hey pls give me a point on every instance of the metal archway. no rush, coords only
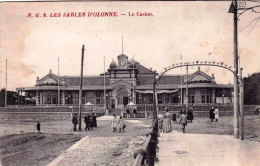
(238, 78)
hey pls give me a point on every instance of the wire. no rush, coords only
(257, 18)
(253, 26)
(257, 1)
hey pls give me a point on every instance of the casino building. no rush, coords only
(127, 80)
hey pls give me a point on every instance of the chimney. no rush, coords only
(37, 81)
(50, 72)
(199, 68)
(213, 78)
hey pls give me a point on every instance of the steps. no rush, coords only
(115, 111)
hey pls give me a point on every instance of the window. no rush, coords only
(159, 100)
(75, 98)
(91, 97)
(203, 99)
(192, 99)
(167, 100)
(49, 97)
(208, 101)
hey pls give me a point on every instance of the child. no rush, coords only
(174, 118)
(216, 115)
(160, 120)
(120, 124)
(113, 123)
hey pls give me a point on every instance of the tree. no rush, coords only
(252, 89)
(12, 98)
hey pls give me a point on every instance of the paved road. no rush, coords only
(186, 149)
(116, 149)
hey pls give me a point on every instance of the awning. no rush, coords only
(158, 91)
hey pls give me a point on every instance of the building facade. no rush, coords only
(127, 80)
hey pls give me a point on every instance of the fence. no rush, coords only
(201, 108)
(52, 109)
(147, 154)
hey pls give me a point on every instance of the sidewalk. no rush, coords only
(206, 150)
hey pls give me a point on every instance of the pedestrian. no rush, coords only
(86, 119)
(94, 119)
(75, 122)
(127, 113)
(113, 123)
(190, 114)
(257, 108)
(160, 120)
(91, 121)
(134, 112)
(120, 124)
(211, 114)
(182, 110)
(167, 127)
(38, 126)
(174, 118)
(183, 121)
(216, 114)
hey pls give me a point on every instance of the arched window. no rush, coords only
(91, 97)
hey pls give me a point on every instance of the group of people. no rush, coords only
(213, 114)
(128, 113)
(117, 124)
(165, 124)
(90, 120)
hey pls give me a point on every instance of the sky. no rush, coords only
(32, 45)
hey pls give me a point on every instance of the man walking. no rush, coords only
(183, 121)
(38, 126)
(75, 122)
(212, 114)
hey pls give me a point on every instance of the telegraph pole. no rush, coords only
(187, 93)
(58, 82)
(5, 83)
(181, 81)
(80, 89)
(236, 104)
(105, 102)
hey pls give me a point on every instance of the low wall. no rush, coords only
(64, 112)
(40, 115)
(142, 107)
(44, 113)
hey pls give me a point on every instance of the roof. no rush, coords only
(87, 81)
(142, 69)
(165, 80)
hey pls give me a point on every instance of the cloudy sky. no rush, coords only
(191, 29)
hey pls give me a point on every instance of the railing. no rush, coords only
(147, 153)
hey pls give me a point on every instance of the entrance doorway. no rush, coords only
(122, 97)
(125, 101)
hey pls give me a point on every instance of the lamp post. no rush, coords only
(241, 98)
(223, 97)
(154, 97)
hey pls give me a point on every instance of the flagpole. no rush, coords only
(6, 83)
(58, 82)
(181, 81)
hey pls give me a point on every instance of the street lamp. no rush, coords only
(154, 97)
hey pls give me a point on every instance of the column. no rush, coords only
(63, 97)
(37, 98)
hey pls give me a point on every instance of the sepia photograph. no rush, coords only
(130, 83)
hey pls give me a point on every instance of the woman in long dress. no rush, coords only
(216, 114)
(113, 123)
(167, 127)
